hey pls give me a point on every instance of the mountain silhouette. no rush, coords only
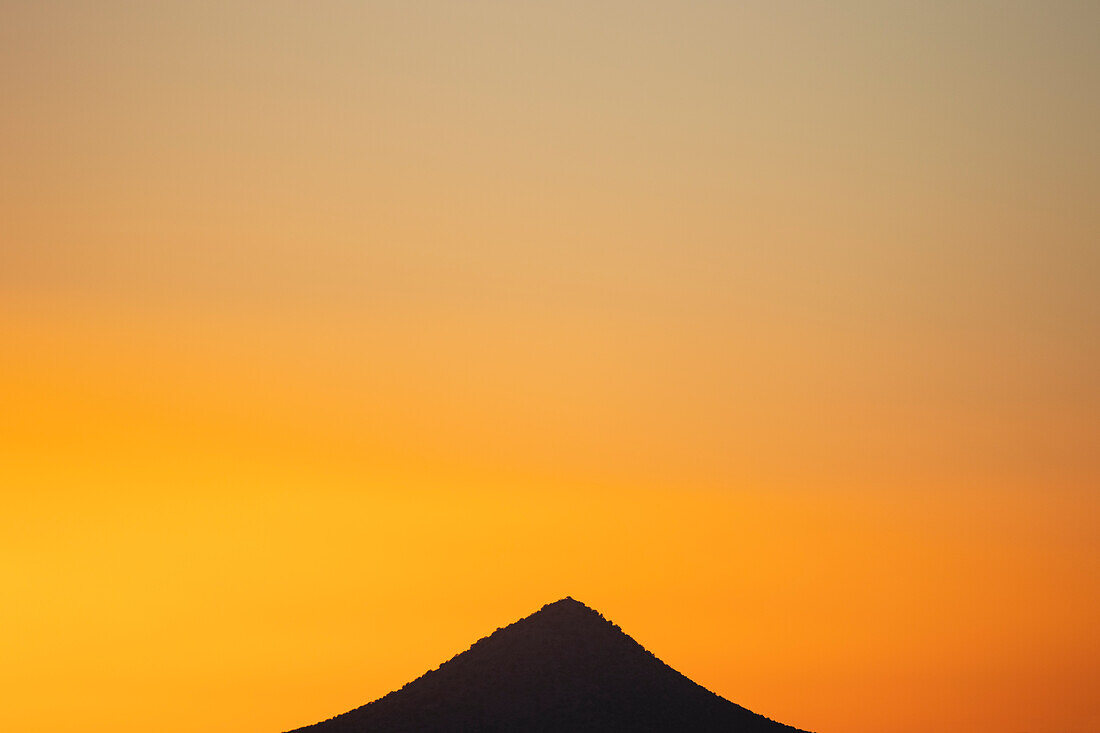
(564, 669)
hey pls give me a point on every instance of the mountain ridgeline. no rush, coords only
(564, 669)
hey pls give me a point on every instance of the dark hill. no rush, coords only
(563, 669)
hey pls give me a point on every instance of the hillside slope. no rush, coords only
(564, 668)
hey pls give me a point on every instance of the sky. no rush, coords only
(335, 335)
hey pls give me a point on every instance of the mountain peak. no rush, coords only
(563, 668)
(567, 607)
(567, 602)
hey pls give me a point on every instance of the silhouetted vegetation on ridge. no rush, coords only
(563, 669)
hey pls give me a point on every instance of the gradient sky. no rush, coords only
(334, 335)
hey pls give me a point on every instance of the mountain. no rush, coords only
(564, 669)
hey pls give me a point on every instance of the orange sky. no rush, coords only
(334, 335)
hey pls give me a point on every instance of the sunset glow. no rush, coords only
(334, 335)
